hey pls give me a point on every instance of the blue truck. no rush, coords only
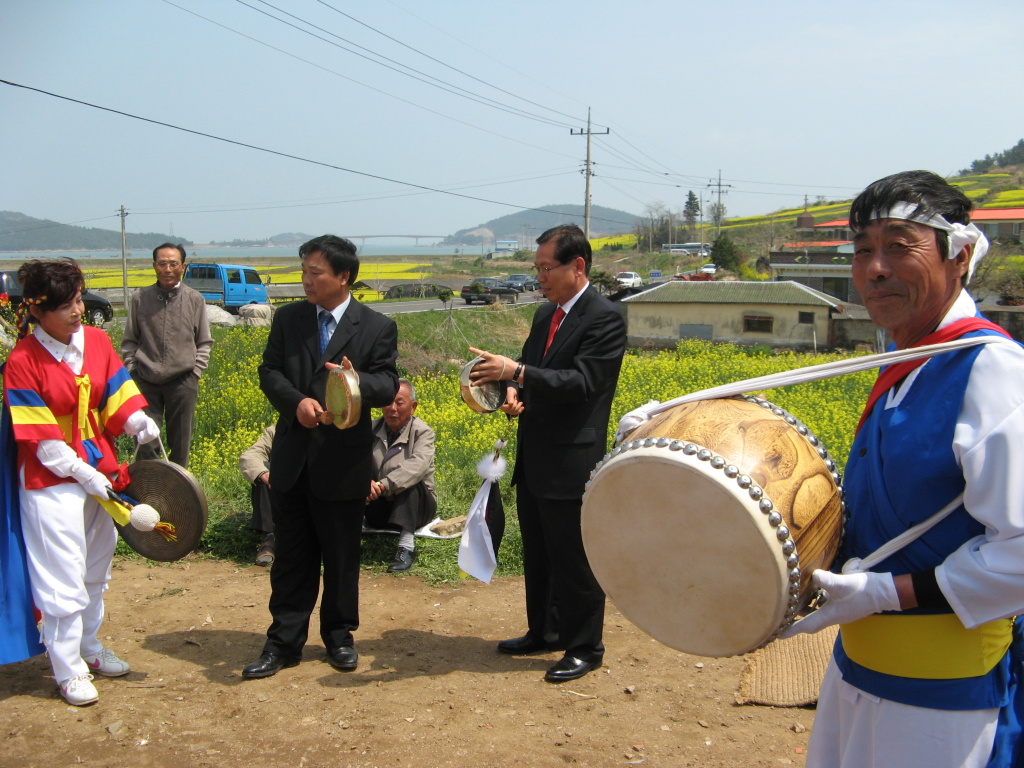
(228, 285)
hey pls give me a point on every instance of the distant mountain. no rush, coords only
(291, 238)
(19, 232)
(529, 224)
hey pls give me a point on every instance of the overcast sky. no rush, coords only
(786, 99)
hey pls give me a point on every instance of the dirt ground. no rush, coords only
(430, 689)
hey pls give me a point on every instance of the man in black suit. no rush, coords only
(561, 388)
(321, 473)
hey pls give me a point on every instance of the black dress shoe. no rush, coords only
(570, 668)
(343, 658)
(266, 665)
(403, 560)
(521, 646)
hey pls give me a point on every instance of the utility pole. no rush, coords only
(718, 224)
(587, 172)
(124, 257)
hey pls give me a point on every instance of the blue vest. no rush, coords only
(900, 472)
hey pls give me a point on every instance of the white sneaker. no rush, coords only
(79, 691)
(107, 664)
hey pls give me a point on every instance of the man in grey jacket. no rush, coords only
(402, 491)
(166, 348)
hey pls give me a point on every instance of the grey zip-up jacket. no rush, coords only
(166, 335)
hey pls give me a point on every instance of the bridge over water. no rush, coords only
(363, 238)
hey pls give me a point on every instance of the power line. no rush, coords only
(336, 201)
(443, 85)
(438, 61)
(289, 156)
(364, 85)
(485, 54)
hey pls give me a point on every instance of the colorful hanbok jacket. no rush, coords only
(48, 401)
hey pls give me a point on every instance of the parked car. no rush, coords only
(709, 269)
(629, 279)
(97, 309)
(488, 290)
(523, 282)
(229, 285)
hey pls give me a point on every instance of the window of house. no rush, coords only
(757, 324)
(805, 318)
(836, 286)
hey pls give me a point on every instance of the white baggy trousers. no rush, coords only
(69, 540)
(854, 729)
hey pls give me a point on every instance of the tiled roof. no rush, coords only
(812, 244)
(980, 214)
(733, 292)
(998, 214)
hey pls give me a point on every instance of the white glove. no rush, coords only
(149, 432)
(851, 596)
(633, 419)
(90, 478)
(143, 428)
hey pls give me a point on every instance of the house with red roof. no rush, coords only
(822, 261)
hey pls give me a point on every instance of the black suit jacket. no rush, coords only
(567, 395)
(338, 460)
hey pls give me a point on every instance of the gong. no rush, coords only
(180, 500)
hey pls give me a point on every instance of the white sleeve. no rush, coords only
(57, 456)
(984, 579)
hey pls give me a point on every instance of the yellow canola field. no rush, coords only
(140, 276)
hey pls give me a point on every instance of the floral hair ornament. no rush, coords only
(957, 234)
(23, 316)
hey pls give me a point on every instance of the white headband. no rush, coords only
(958, 235)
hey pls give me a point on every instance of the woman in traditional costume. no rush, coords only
(68, 396)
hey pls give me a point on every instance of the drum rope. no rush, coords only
(638, 416)
(891, 547)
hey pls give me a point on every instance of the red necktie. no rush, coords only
(556, 320)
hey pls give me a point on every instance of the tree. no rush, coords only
(691, 211)
(716, 212)
(725, 254)
(603, 281)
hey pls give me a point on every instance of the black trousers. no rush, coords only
(262, 508)
(409, 510)
(564, 602)
(172, 404)
(312, 532)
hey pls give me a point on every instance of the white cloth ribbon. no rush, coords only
(958, 235)
(476, 549)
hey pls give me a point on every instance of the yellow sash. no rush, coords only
(84, 390)
(931, 647)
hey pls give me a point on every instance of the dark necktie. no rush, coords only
(325, 333)
(556, 320)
